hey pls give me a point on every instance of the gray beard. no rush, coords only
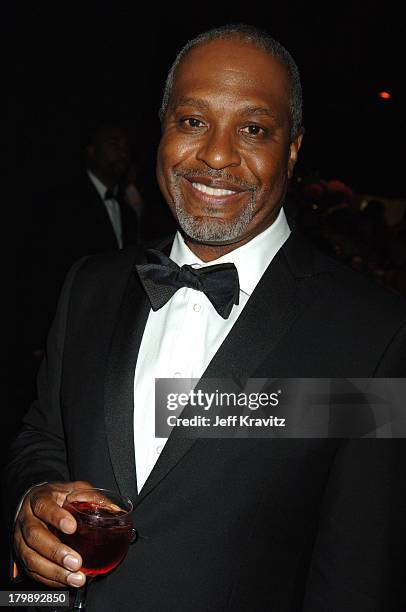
(209, 229)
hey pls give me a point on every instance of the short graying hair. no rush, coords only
(257, 38)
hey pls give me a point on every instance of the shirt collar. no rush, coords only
(251, 259)
(101, 189)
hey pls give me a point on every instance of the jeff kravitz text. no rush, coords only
(230, 421)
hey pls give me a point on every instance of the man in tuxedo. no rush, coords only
(85, 216)
(223, 524)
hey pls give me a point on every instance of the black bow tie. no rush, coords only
(111, 193)
(162, 277)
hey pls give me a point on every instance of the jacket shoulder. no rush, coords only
(347, 288)
(363, 291)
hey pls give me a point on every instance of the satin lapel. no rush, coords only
(277, 301)
(119, 384)
(279, 298)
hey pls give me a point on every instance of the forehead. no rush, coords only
(234, 71)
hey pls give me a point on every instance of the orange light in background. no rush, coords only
(385, 95)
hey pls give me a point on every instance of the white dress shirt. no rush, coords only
(181, 338)
(112, 207)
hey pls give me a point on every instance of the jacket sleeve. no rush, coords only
(358, 558)
(38, 453)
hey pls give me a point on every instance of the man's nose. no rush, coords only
(219, 150)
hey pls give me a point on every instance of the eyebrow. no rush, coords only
(257, 110)
(246, 110)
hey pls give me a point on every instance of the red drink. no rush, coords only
(102, 537)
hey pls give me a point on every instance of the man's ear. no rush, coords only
(294, 151)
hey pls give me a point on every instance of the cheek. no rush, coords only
(269, 168)
(167, 160)
(271, 175)
(173, 152)
(268, 176)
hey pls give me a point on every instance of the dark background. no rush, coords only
(71, 65)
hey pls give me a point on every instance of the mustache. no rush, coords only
(215, 174)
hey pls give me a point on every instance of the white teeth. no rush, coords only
(211, 190)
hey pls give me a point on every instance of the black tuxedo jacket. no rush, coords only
(282, 525)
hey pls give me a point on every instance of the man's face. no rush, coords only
(225, 155)
(110, 153)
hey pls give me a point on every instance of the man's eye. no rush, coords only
(253, 130)
(191, 122)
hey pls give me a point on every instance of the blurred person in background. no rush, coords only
(133, 196)
(84, 216)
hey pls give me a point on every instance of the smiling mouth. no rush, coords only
(213, 191)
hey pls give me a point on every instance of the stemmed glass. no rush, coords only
(103, 535)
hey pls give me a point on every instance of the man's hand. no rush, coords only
(44, 557)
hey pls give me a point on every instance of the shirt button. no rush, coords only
(177, 374)
(158, 450)
(197, 308)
